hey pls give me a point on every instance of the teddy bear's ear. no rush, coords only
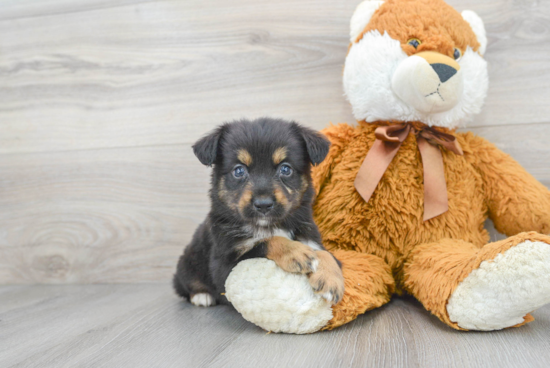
(477, 26)
(361, 17)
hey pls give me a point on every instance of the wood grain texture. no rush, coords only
(101, 100)
(104, 215)
(147, 326)
(127, 73)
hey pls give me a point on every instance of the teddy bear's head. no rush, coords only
(415, 60)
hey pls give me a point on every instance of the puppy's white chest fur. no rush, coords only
(262, 234)
(310, 243)
(259, 235)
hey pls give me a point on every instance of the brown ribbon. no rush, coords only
(385, 147)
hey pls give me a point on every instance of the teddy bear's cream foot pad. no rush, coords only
(501, 292)
(276, 300)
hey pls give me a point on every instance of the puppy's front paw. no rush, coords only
(292, 256)
(202, 300)
(328, 280)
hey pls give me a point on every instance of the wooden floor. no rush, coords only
(100, 102)
(145, 325)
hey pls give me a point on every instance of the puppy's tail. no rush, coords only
(179, 288)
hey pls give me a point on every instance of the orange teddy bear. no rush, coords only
(402, 197)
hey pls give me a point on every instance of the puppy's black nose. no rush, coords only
(263, 204)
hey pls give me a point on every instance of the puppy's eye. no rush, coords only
(285, 170)
(457, 54)
(414, 42)
(239, 171)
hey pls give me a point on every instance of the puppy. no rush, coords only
(261, 199)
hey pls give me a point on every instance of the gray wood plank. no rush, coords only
(147, 326)
(19, 9)
(120, 215)
(165, 72)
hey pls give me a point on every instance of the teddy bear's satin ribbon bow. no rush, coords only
(385, 147)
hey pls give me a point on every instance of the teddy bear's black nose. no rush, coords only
(444, 72)
(263, 204)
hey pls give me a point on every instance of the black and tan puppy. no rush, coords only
(261, 199)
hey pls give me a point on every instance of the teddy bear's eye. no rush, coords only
(414, 42)
(457, 54)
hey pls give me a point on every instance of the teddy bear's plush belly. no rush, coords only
(391, 223)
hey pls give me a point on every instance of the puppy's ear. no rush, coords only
(206, 148)
(317, 145)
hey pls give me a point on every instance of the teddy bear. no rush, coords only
(402, 197)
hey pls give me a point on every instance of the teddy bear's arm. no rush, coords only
(339, 135)
(517, 201)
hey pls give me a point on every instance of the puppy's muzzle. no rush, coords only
(263, 204)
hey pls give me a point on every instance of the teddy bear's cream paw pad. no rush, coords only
(276, 300)
(501, 292)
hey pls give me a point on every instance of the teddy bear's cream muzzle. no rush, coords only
(429, 82)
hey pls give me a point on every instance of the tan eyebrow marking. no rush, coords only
(244, 157)
(279, 155)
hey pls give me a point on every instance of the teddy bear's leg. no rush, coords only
(488, 288)
(368, 284)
